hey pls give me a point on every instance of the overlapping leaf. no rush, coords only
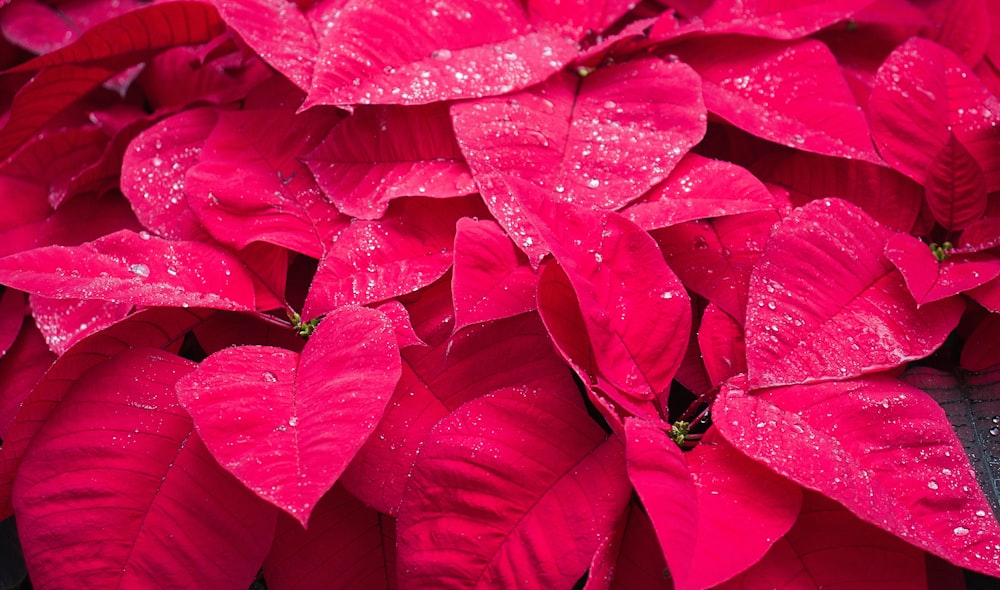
(469, 48)
(826, 303)
(555, 485)
(382, 153)
(287, 425)
(890, 457)
(161, 500)
(930, 279)
(137, 268)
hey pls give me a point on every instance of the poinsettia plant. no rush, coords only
(500, 294)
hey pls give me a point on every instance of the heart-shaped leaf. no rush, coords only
(287, 425)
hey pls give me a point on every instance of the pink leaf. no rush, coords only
(287, 425)
(499, 501)
(789, 93)
(929, 279)
(382, 153)
(883, 449)
(162, 328)
(343, 549)
(825, 303)
(715, 257)
(153, 172)
(636, 312)
(437, 380)
(711, 493)
(889, 197)
(140, 269)
(699, 188)
(492, 279)
(596, 141)
(777, 19)
(956, 186)
(578, 18)
(290, 48)
(64, 322)
(276, 201)
(410, 248)
(830, 548)
(923, 94)
(469, 49)
(118, 490)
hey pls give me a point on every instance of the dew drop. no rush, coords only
(293, 421)
(442, 54)
(593, 183)
(140, 269)
(961, 531)
(171, 271)
(269, 377)
(995, 431)
(932, 484)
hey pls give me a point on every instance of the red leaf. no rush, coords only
(343, 549)
(410, 248)
(491, 279)
(889, 197)
(699, 188)
(825, 302)
(469, 49)
(714, 258)
(979, 352)
(287, 425)
(118, 491)
(638, 562)
(777, 19)
(12, 310)
(722, 345)
(129, 38)
(276, 201)
(830, 548)
(496, 500)
(596, 141)
(436, 380)
(21, 367)
(789, 93)
(923, 94)
(383, 153)
(883, 449)
(636, 312)
(962, 27)
(290, 48)
(127, 267)
(955, 186)
(154, 168)
(161, 328)
(53, 159)
(713, 492)
(931, 280)
(578, 18)
(43, 28)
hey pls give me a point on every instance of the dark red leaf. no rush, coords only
(881, 448)
(929, 279)
(492, 279)
(287, 425)
(979, 352)
(117, 490)
(638, 562)
(53, 159)
(153, 172)
(12, 308)
(962, 27)
(826, 303)
(596, 141)
(21, 367)
(889, 197)
(159, 328)
(343, 549)
(923, 94)
(972, 403)
(129, 38)
(468, 49)
(382, 153)
(136, 268)
(437, 380)
(699, 188)
(830, 548)
(498, 500)
(43, 28)
(789, 93)
(955, 186)
(410, 248)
